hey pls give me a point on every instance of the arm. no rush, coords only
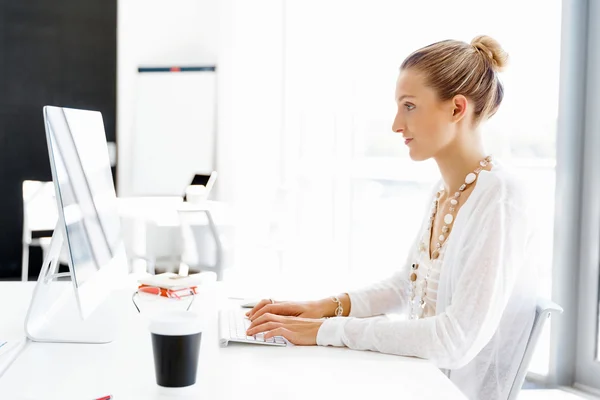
(496, 249)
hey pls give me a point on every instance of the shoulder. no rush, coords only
(502, 200)
(503, 185)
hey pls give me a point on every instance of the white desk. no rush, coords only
(125, 367)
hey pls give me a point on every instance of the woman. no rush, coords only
(467, 288)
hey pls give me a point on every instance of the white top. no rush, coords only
(485, 299)
(429, 286)
(426, 288)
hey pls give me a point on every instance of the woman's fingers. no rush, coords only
(266, 318)
(281, 331)
(299, 331)
(263, 310)
(257, 307)
(277, 309)
(267, 326)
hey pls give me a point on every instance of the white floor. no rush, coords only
(549, 394)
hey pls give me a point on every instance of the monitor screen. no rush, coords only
(85, 189)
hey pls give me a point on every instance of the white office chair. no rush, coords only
(39, 214)
(544, 310)
(203, 241)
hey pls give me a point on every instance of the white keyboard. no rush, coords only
(233, 324)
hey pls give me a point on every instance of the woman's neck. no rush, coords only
(458, 159)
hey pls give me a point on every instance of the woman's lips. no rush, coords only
(407, 141)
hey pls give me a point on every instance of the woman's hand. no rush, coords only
(294, 309)
(299, 331)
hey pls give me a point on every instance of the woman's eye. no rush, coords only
(409, 107)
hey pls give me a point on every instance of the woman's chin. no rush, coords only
(417, 156)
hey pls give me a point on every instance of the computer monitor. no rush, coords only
(88, 227)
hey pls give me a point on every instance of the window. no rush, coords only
(359, 199)
(349, 200)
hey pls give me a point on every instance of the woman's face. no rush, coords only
(426, 123)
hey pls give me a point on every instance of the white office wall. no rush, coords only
(250, 98)
(157, 33)
(244, 39)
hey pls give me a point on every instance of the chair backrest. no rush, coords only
(39, 207)
(544, 310)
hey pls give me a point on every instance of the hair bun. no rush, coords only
(490, 48)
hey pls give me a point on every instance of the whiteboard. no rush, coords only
(174, 131)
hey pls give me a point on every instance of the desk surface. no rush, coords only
(124, 368)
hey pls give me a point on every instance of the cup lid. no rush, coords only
(175, 323)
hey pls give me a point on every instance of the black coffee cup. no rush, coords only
(176, 338)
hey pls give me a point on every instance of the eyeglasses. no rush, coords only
(158, 293)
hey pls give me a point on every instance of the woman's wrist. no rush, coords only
(327, 307)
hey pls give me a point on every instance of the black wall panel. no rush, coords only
(60, 52)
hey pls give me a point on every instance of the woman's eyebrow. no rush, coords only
(404, 96)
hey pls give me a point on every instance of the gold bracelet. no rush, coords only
(339, 311)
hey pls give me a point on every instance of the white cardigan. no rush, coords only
(486, 295)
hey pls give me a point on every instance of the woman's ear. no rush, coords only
(459, 107)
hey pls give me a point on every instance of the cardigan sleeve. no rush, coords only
(450, 339)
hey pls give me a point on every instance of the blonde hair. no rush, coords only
(453, 67)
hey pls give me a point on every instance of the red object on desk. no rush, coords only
(109, 397)
(177, 294)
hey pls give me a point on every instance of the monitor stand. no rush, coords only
(54, 315)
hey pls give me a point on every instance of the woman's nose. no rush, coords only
(398, 125)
